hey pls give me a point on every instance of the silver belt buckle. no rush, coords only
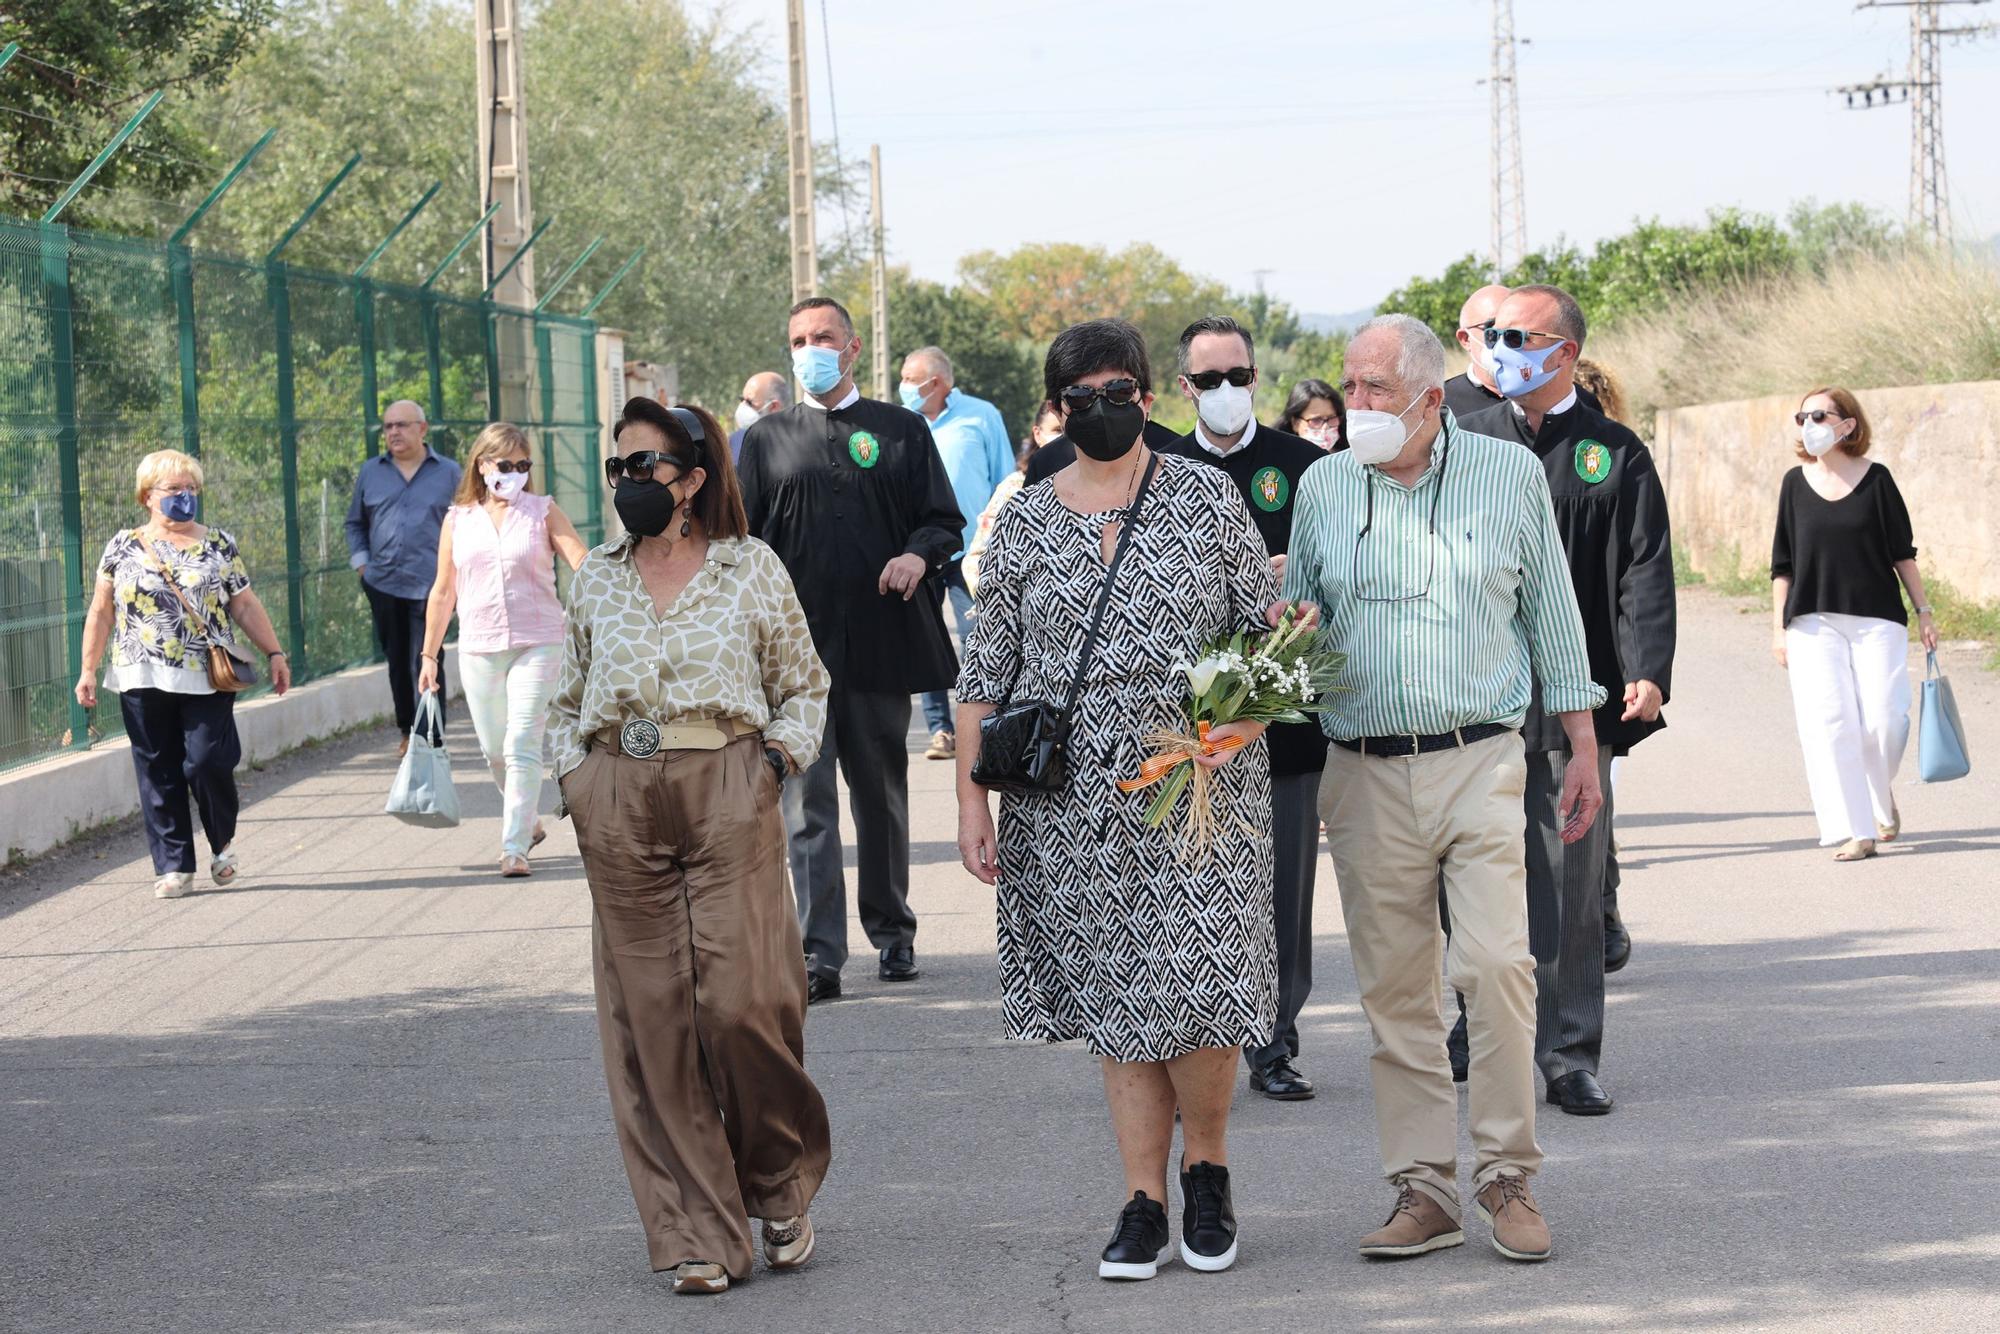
(640, 738)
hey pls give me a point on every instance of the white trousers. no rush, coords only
(1851, 692)
(507, 694)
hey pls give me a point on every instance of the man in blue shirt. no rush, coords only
(400, 499)
(978, 456)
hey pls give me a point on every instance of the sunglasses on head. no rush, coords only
(1117, 393)
(1514, 338)
(513, 465)
(1816, 415)
(1239, 376)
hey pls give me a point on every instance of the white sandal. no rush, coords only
(174, 885)
(222, 869)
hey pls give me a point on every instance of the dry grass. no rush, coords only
(1876, 321)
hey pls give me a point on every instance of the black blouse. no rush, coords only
(1841, 554)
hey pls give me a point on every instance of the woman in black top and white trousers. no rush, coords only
(1838, 623)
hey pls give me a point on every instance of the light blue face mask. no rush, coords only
(1520, 371)
(913, 394)
(817, 368)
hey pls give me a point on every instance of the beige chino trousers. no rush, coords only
(1391, 825)
(701, 995)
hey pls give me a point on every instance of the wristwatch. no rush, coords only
(776, 759)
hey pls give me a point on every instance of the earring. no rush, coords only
(687, 518)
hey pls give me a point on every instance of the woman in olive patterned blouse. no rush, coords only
(689, 689)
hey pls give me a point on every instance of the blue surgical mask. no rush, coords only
(913, 395)
(817, 368)
(178, 506)
(1521, 371)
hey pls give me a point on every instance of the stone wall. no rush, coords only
(1722, 463)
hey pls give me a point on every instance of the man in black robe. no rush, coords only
(853, 497)
(1612, 513)
(1266, 465)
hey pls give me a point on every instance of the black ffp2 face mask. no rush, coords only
(1106, 431)
(645, 508)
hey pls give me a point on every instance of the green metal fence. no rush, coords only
(274, 376)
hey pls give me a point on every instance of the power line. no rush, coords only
(833, 111)
(1922, 88)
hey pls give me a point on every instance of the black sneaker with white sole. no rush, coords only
(1135, 1248)
(1208, 1220)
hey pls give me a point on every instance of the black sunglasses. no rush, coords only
(1240, 376)
(1816, 415)
(1117, 393)
(522, 466)
(636, 467)
(1514, 338)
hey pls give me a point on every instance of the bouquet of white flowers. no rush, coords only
(1276, 677)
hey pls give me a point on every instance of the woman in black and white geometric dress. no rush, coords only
(1163, 963)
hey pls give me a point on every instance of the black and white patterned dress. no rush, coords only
(1106, 931)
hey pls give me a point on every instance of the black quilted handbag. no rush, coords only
(1024, 744)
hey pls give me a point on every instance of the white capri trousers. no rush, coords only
(1851, 692)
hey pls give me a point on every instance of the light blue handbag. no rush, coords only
(1941, 743)
(423, 794)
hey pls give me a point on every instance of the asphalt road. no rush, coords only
(360, 1090)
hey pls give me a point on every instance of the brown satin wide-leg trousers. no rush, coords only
(701, 998)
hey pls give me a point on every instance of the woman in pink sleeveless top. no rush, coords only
(497, 569)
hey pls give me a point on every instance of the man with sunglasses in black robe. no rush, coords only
(852, 495)
(1612, 514)
(1218, 373)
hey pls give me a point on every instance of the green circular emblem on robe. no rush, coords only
(1269, 488)
(864, 449)
(1593, 461)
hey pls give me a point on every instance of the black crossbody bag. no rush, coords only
(1024, 744)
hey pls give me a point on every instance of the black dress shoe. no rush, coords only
(1579, 1094)
(899, 964)
(1135, 1248)
(1617, 943)
(1280, 1081)
(822, 987)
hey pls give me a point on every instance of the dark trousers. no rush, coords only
(867, 739)
(1294, 861)
(951, 587)
(1565, 923)
(399, 633)
(1611, 876)
(183, 745)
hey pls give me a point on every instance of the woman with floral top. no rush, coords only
(689, 690)
(182, 729)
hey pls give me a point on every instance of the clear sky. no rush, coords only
(1343, 146)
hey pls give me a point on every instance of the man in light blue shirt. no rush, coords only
(978, 456)
(400, 499)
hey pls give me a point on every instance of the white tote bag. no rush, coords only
(423, 794)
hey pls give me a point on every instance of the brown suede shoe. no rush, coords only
(1417, 1224)
(1519, 1232)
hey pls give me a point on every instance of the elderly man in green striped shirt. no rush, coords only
(1434, 557)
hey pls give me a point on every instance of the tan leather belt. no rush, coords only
(644, 739)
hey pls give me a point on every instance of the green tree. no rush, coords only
(85, 67)
(986, 362)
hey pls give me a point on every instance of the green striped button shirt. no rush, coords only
(1440, 631)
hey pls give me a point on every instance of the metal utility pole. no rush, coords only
(878, 274)
(1923, 89)
(805, 246)
(1510, 219)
